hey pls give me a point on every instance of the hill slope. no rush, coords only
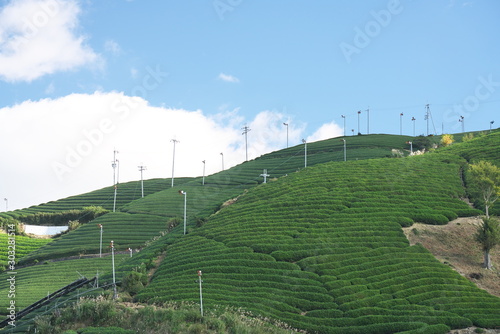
(321, 249)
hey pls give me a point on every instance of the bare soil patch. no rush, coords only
(454, 245)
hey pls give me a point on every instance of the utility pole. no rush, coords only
(201, 293)
(343, 116)
(116, 172)
(113, 263)
(222, 157)
(400, 124)
(7, 201)
(428, 116)
(367, 121)
(265, 175)
(491, 123)
(286, 124)
(175, 141)
(246, 129)
(100, 243)
(359, 130)
(141, 169)
(413, 121)
(461, 120)
(305, 152)
(345, 154)
(182, 192)
(203, 180)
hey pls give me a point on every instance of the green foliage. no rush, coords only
(485, 178)
(87, 314)
(84, 215)
(488, 236)
(468, 137)
(134, 282)
(421, 142)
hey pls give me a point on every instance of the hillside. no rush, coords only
(322, 249)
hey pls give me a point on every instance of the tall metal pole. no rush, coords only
(100, 242)
(343, 116)
(201, 293)
(182, 192)
(427, 117)
(222, 157)
(7, 201)
(141, 169)
(305, 152)
(359, 129)
(203, 180)
(462, 121)
(491, 123)
(245, 131)
(413, 121)
(286, 124)
(115, 165)
(401, 124)
(113, 262)
(175, 141)
(345, 153)
(368, 121)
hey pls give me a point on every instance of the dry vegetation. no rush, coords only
(454, 245)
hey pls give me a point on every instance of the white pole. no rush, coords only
(345, 154)
(368, 121)
(343, 116)
(7, 201)
(114, 199)
(401, 124)
(100, 243)
(141, 169)
(286, 124)
(182, 192)
(113, 262)
(173, 160)
(305, 153)
(203, 182)
(222, 157)
(359, 113)
(201, 293)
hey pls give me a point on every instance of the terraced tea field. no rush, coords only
(324, 251)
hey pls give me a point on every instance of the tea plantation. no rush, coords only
(320, 248)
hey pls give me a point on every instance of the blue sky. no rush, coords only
(79, 79)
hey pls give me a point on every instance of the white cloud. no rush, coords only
(112, 47)
(54, 148)
(228, 78)
(38, 37)
(326, 131)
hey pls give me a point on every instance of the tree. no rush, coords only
(486, 183)
(446, 140)
(488, 235)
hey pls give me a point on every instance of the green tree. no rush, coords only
(486, 183)
(488, 235)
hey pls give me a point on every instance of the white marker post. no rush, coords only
(182, 192)
(113, 263)
(201, 294)
(100, 243)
